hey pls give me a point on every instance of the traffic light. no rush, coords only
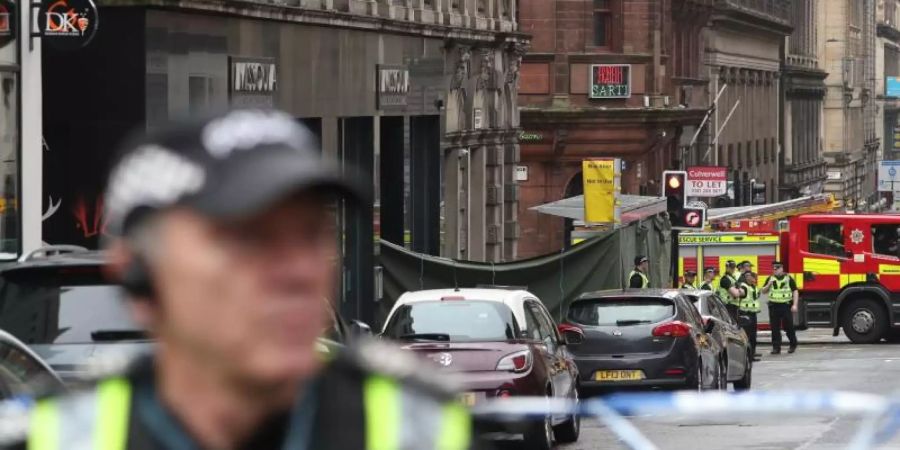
(674, 192)
(680, 215)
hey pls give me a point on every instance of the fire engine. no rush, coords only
(847, 268)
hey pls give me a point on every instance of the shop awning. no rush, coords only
(633, 207)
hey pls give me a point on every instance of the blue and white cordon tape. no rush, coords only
(881, 416)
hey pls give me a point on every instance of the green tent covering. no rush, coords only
(602, 262)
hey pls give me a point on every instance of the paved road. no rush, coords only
(829, 363)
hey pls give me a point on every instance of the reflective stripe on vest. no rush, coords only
(750, 303)
(396, 418)
(401, 419)
(781, 290)
(645, 282)
(105, 410)
(724, 294)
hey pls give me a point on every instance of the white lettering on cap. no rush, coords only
(244, 130)
(151, 176)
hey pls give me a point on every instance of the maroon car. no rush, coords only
(501, 343)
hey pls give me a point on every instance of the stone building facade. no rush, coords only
(887, 65)
(398, 88)
(847, 43)
(803, 86)
(744, 57)
(575, 105)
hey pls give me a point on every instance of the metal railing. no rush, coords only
(488, 15)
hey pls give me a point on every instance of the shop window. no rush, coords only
(827, 239)
(603, 23)
(884, 240)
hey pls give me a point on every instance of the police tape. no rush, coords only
(881, 416)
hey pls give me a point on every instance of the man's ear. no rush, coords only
(119, 259)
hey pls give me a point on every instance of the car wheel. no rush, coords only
(864, 321)
(744, 383)
(540, 436)
(568, 431)
(695, 381)
(722, 385)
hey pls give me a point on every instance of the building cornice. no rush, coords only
(731, 12)
(284, 13)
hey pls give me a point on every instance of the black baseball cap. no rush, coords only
(730, 263)
(710, 270)
(746, 263)
(690, 273)
(777, 264)
(227, 167)
(640, 259)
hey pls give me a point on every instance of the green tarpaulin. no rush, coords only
(602, 262)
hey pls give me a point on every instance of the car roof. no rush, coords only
(513, 298)
(485, 294)
(630, 293)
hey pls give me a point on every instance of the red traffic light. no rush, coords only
(674, 184)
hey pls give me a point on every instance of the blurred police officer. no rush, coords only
(690, 280)
(783, 301)
(709, 275)
(743, 268)
(638, 279)
(225, 241)
(728, 289)
(749, 308)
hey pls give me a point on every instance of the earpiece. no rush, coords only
(136, 279)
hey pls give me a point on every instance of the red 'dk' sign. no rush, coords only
(707, 181)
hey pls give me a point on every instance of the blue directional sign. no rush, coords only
(889, 176)
(892, 86)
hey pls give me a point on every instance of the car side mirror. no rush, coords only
(360, 329)
(709, 324)
(571, 334)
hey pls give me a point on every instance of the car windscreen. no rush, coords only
(621, 311)
(68, 310)
(469, 320)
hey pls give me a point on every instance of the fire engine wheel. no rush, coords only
(864, 321)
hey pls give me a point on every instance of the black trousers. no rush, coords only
(733, 310)
(780, 313)
(750, 329)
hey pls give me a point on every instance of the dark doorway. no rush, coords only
(425, 184)
(355, 143)
(390, 209)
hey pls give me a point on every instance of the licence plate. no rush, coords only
(618, 375)
(467, 399)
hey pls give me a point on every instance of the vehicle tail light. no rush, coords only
(571, 334)
(674, 372)
(504, 393)
(672, 329)
(516, 362)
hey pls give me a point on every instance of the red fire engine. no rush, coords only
(847, 268)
